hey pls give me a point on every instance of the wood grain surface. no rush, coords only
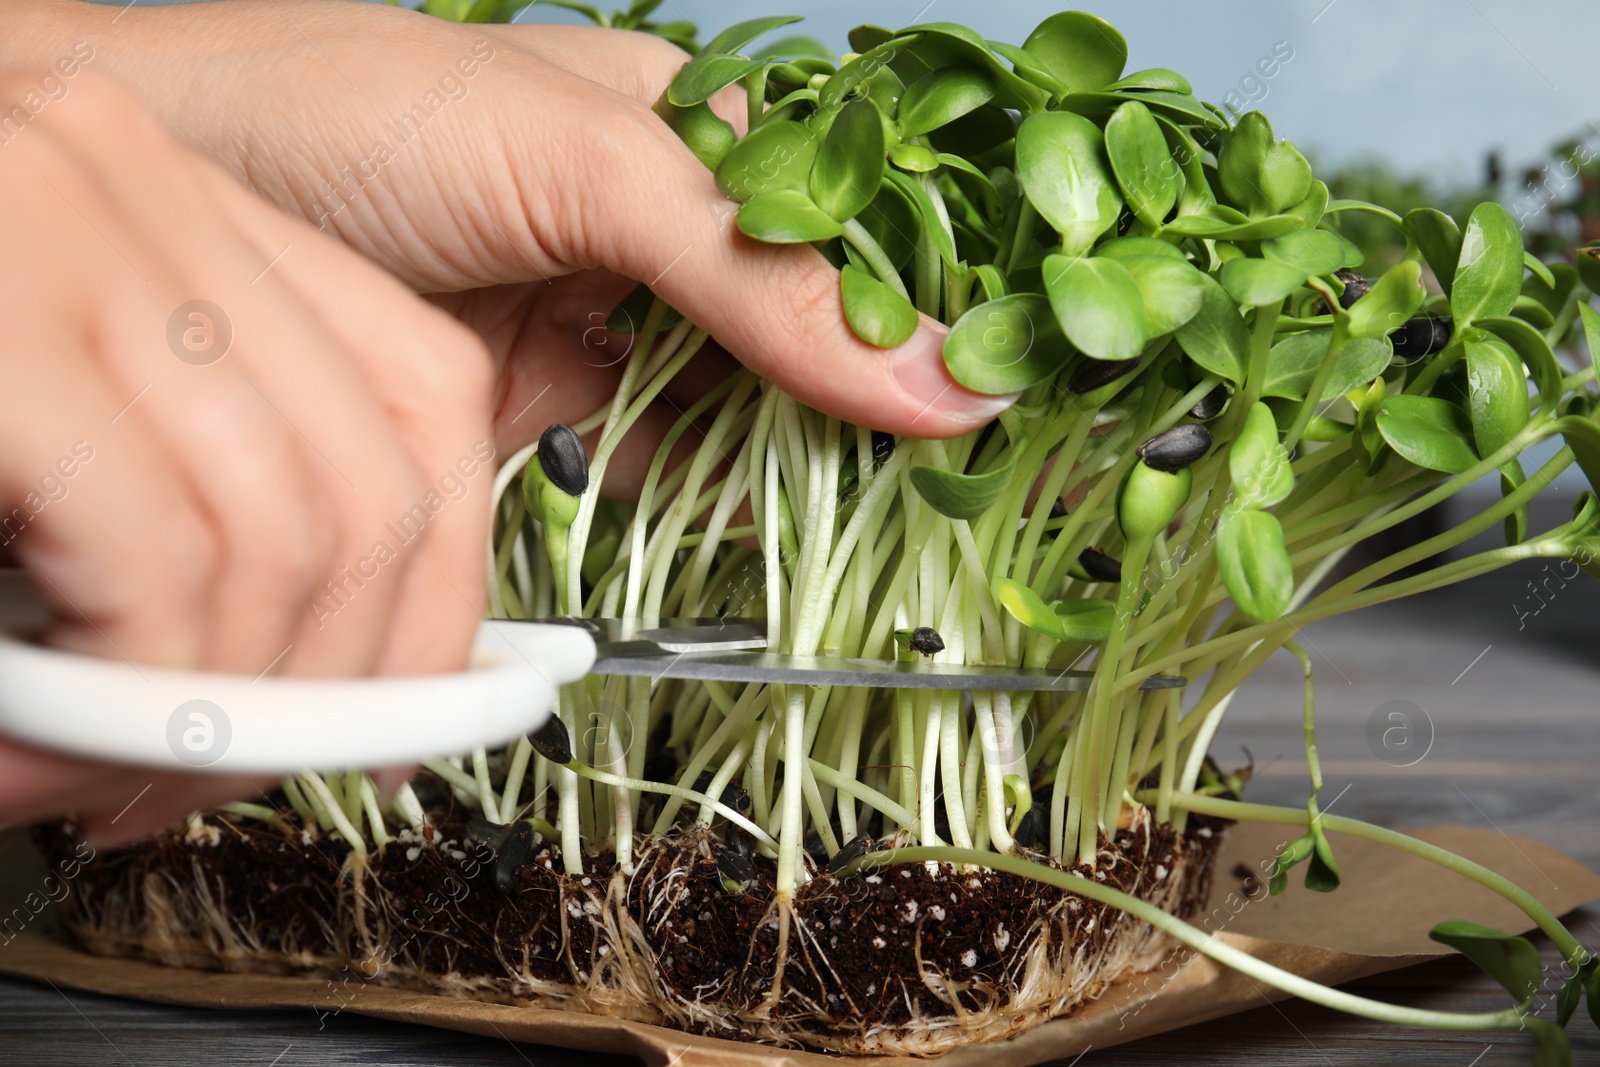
(1502, 732)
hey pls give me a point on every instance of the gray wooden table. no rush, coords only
(1514, 705)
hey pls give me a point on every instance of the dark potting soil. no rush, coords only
(858, 950)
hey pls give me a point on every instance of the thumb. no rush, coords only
(653, 213)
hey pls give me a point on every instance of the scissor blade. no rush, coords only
(635, 637)
(773, 668)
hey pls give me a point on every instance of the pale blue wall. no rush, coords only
(1424, 84)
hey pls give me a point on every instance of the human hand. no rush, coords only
(528, 191)
(181, 482)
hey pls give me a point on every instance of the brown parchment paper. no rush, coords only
(1377, 921)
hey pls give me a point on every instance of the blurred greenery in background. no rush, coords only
(1556, 200)
(1380, 242)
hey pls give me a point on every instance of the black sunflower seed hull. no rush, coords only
(1031, 829)
(1176, 448)
(514, 853)
(1421, 336)
(1211, 405)
(1099, 566)
(1091, 374)
(1356, 286)
(564, 461)
(736, 870)
(552, 741)
(854, 850)
(882, 447)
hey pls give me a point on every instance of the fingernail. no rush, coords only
(388, 781)
(919, 369)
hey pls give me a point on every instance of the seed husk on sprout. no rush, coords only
(1099, 566)
(1210, 406)
(1091, 374)
(1421, 336)
(561, 455)
(854, 849)
(1177, 448)
(552, 741)
(514, 852)
(1031, 829)
(1356, 286)
(736, 871)
(926, 640)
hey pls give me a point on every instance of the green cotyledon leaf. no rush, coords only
(773, 156)
(877, 313)
(1439, 238)
(1154, 78)
(1429, 431)
(1295, 852)
(1006, 345)
(707, 75)
(848, 169)
(1497, 393)
(1061, 163)
(942, 97)
(740, 34)
(718, 65)
(1257, 461)
(708, 136)
(795, 47)
(1390, 303)
(1582, 435)
(930, 46)
(891, 221)
(1551, 1047)
(1591, 334)
(1536, 355)
(1086, 620)
(1081, 51)
(1219, 222)
(962, 496)
(786, 217)
(1571, 994)
(1142, 163)
(1313, 251)
(1254, 563)
(1258, 282)
(1488, 275)
(1215, 337)
(1322, 870)
(1097, 304)
(1171, 287)
(1128, 247)
(1259, 174)
(1066, 620)
(1295, 359)
(1510, 960)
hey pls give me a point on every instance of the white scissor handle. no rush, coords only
(224, 723)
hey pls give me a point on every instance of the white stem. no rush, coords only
(486, 798)
(369, 800)
(318, 791)
(502, 481)
(791, 837)
(511, 798)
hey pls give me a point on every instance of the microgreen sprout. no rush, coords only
(1215, 407)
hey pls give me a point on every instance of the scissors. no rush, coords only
(128, 713)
